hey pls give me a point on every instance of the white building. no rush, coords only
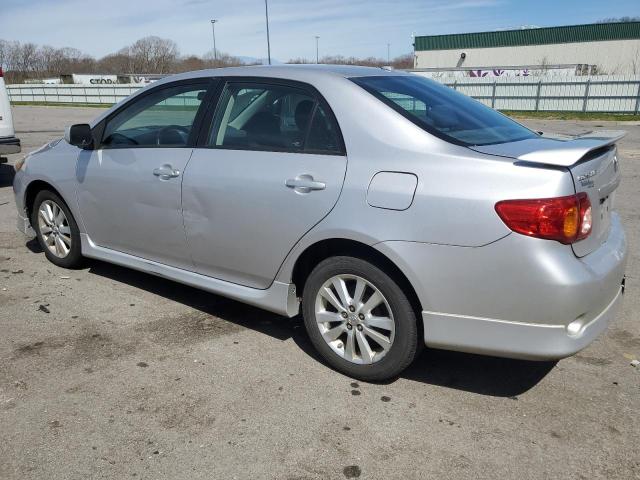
(602, 48)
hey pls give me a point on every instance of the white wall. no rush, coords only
(611, 57)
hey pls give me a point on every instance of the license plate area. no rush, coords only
(606, 205)
(598, 178)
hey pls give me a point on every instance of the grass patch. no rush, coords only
(615, 117)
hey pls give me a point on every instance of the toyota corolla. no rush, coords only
(391, 211)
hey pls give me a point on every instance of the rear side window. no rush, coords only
(323, 135)
(444, 112)
(273, 118)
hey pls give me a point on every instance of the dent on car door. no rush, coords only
(129, 188)
(271, 168)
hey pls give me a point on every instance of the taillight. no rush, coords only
(565, 219)
(0, 72)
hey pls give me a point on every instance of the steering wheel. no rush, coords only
(172, 135)
(120, 139)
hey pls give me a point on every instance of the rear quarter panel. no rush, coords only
(456, 192)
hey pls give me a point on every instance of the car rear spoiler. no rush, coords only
(555, 151)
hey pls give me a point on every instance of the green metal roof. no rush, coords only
(532, 36)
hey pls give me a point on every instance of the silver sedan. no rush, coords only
(391, 211)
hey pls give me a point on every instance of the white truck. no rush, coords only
(8, 141)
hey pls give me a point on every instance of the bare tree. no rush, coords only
(28, 61)
(4, 49)
(190, 63)
(27, 58)
(119, 62)
(619, 20)
(403, 61)
(12, 53)
(154, 55)
(223, 60)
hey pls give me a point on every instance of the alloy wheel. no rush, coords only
(354, 319)
(54, 228)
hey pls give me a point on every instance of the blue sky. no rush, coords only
(351, 27)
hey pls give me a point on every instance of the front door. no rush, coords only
(129, 188)
(272, 168)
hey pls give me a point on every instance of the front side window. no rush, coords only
(161, 118)
(444, 112)
(273, 118)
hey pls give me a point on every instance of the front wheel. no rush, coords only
(56, 230)
(359, 319)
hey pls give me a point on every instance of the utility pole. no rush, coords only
(317, 56)
(213, 28)
(388, 53)
(266, 14)
(413, 44)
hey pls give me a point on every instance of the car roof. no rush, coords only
(314, 74)
(300, 72)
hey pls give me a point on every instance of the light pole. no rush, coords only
(317, 57)
(213, 29)
(388, 53)
(266, 14)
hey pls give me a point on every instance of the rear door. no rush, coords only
(270, 167)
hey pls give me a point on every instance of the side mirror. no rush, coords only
(79, 135)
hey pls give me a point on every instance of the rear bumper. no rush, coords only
(514, 339)
(9, 145)
(518, 297)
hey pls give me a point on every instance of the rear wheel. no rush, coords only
(359, 319)
(56, 230)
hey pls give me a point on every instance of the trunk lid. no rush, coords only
(592, 161)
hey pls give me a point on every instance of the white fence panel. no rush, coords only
(613, 93)
(78, 94)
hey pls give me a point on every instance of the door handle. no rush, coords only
(166, 172)
(305, 183)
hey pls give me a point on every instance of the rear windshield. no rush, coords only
(444, 112)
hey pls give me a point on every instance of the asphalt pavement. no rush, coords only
(110, 373)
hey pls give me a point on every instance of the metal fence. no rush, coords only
(77, 94)
(614, 94)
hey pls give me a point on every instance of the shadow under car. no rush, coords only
(484, 375)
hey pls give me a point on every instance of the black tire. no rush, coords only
(74, 258)
(406, 344)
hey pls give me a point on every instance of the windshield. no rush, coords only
(444, 112)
